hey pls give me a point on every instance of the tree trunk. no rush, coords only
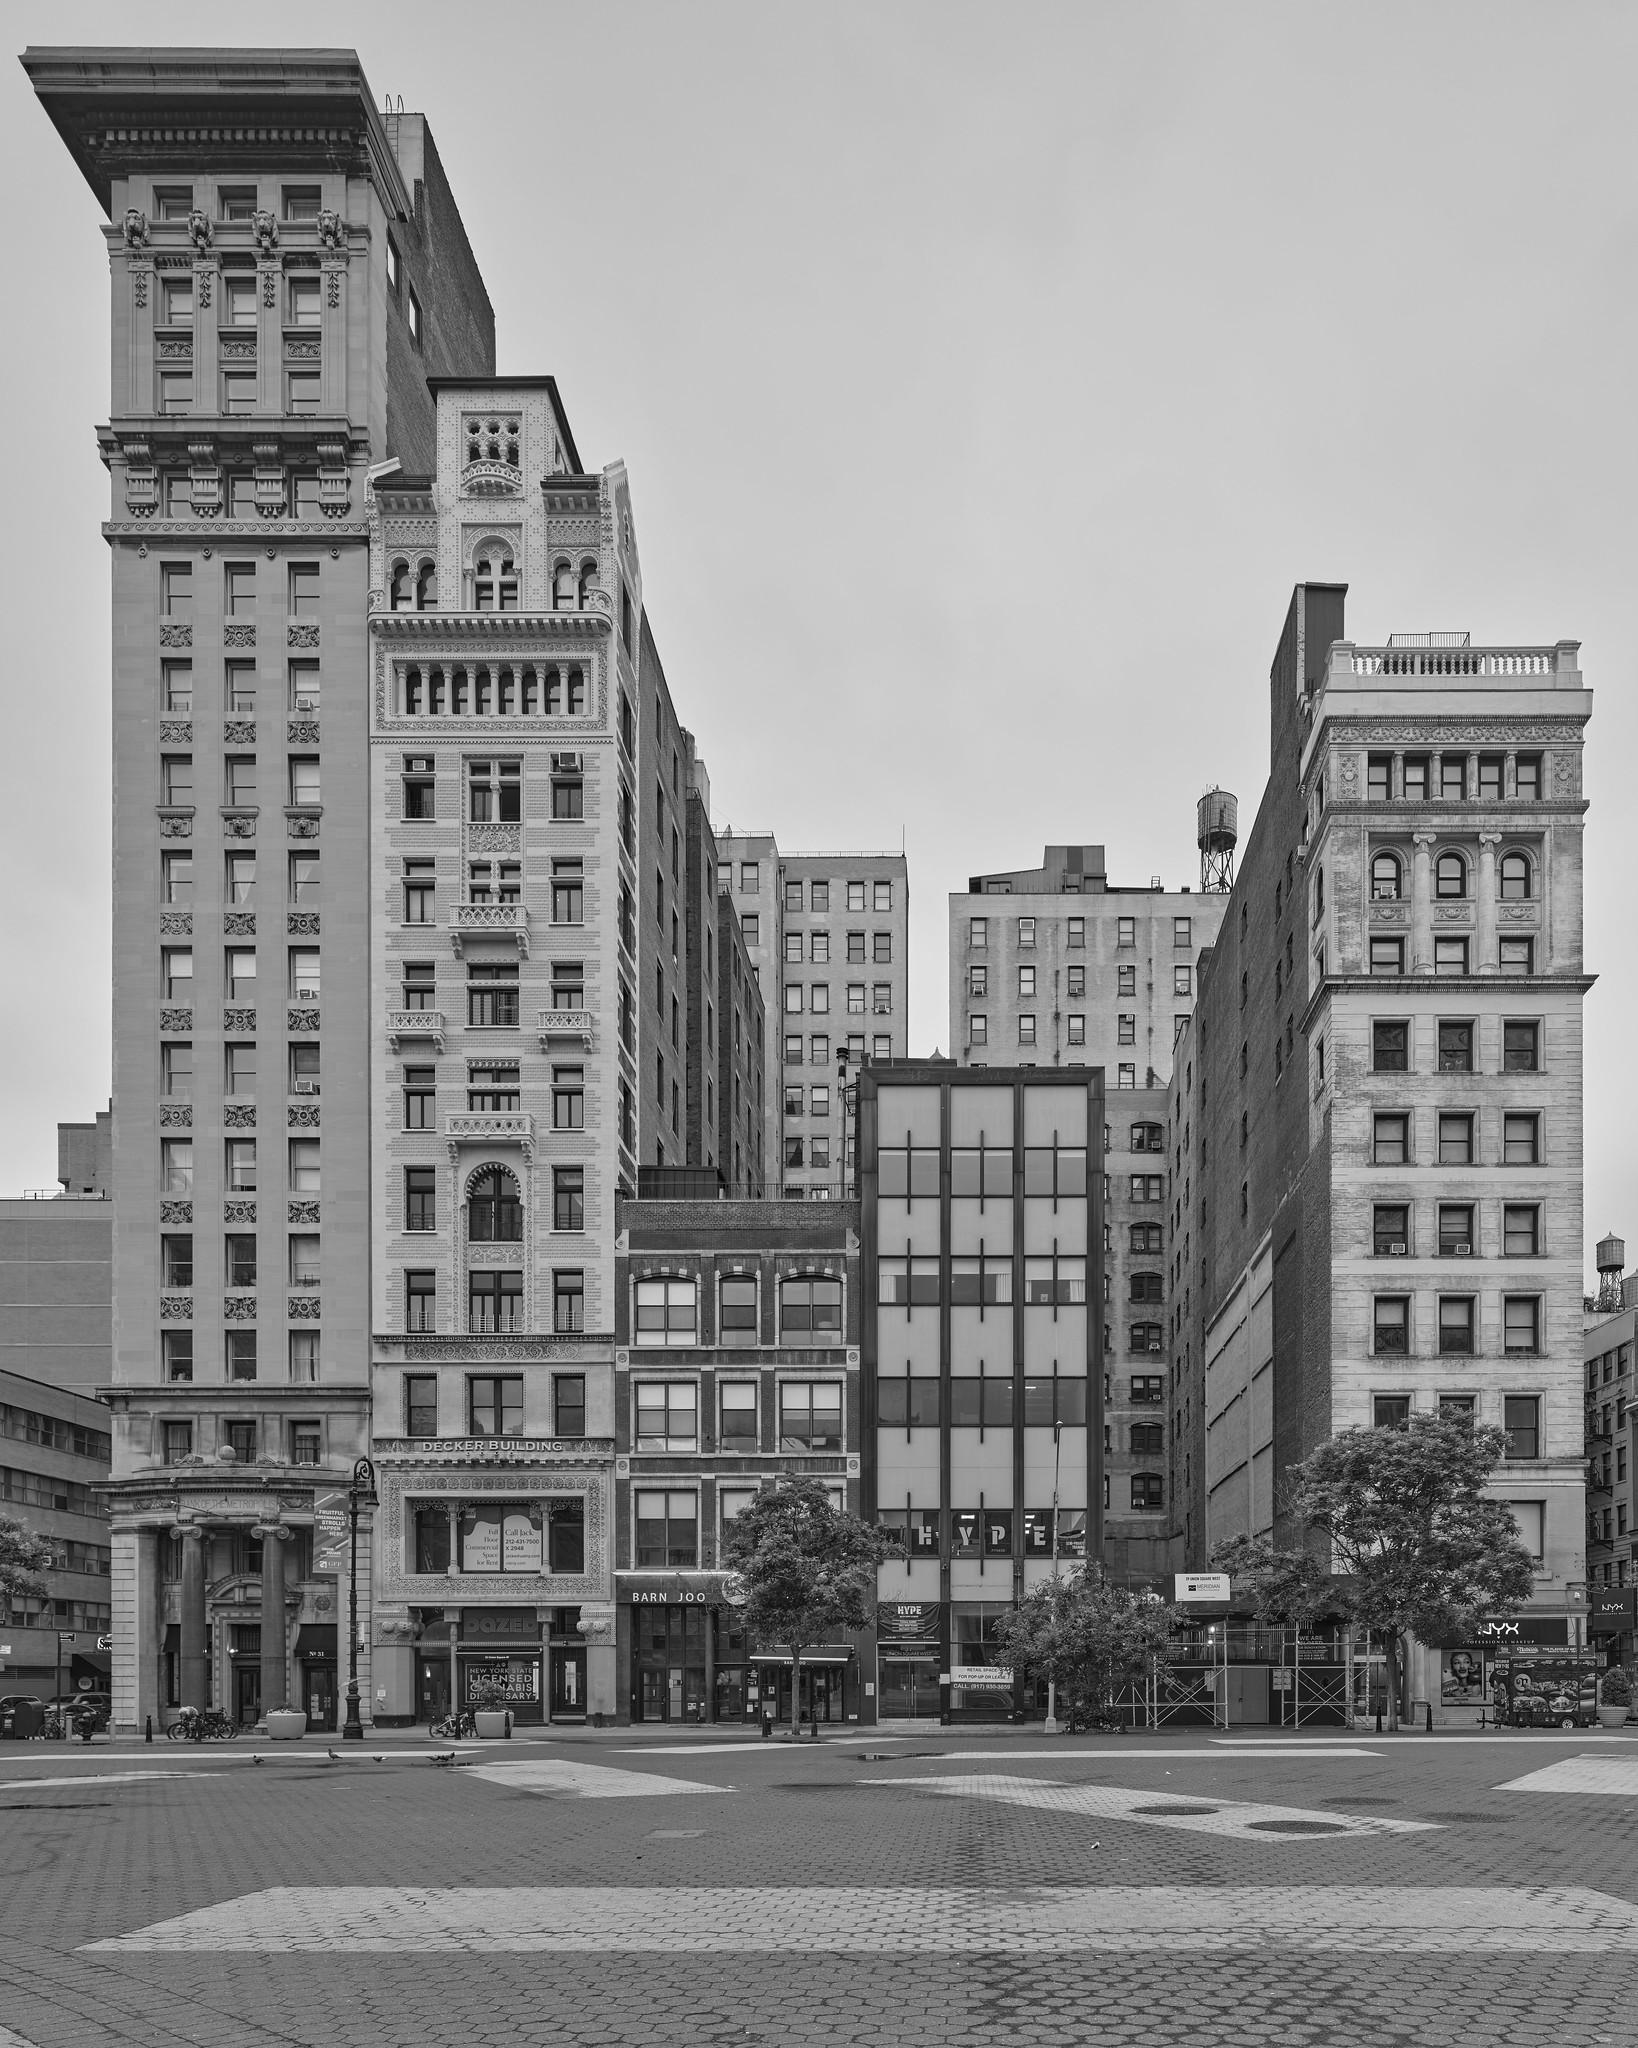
(1395, 1644)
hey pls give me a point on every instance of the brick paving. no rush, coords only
(1530, 1897)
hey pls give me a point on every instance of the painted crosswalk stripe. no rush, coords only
(1247, 1820)
(887, 1920)
(1610, 1775)
(99, 1778)
(584, 1781)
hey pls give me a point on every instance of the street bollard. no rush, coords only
(148, 1732)
(1430, 1717)
(1379, 1720)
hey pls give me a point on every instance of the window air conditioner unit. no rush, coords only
(565, 764)
(1155, 1347)
(306, 703)
(307, 995)
(1462, 1251)
(1398, 1251)
(306, 1088)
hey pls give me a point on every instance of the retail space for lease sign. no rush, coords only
(503, 1538)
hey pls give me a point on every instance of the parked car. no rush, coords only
(74, 1704)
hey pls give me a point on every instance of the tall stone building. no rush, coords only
(1056, 966)
(1377, 1148)
(828, 935)
(287, 269)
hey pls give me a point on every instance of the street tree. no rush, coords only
(1283, 1588)
(23, 1558)
(1428, 1551)
(1089, 1637)
(802, 1569)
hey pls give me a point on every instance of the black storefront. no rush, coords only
(684, 1656)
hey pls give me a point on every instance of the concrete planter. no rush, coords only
(286, 1724)
(493, 1722)
(1612, 1717)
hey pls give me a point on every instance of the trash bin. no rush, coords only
(22, 1720)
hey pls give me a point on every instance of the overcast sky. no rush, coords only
(987, 377)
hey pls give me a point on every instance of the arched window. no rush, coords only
(562, 587)
(494, 1212)
(399, 594)
(1450, 877)
(583, 589)
(1387, 878)
(426, 587)
(1515, 877)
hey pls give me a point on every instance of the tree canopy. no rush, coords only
(23, 1558)
(1286, 1588)
(1428, 1551)
(802, 1569)
(1090, 1638)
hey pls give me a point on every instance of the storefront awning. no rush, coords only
(830, 1656)
(317, 1640)
(89, 1668)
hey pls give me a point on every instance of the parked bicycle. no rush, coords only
(456, 1727)
(194, 1724)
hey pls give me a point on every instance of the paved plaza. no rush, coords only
(946, 1888)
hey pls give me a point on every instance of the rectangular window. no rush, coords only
(1390, 1139)
(738, 1428)
(1077, 938)
(419, 891)
(568, 1098)
(810, 1311)
(418, 786)
(494, 1404)
(1148, 1491)
(1449, 956)
(1521, 1140)
(304, 1166)
(881, 948)
(667, 1531)
(666, 1312)
(1455, 1138)
(1180, 981)
(1521, 1418)
(568, 892)
(176, 1351)
(568, 1198)
(1517, 956)
(305, 1440)
(1521, 1323)
(491, 995)
(1390, 1046)
(569, 1404)
(1390, 1332)
(1527, 777)
(1182, 931)
(240, 1266)
(810, 1415)
(1026, 1028)
(178, 1260)
(1126, 931)
(241, 1365)
(667, 1415)
(1416, 778)
(304, 878)
(1456, 1229)
(1387, 956)
(420, 1197)
(881, 897)
(1456, 1325)
(414, 314)
(421, 1404)
(568, 1301)
(1026, 983)
(1077, 1029)
(1521, 1230)
(1391, 1411)
(178, 1442)
(1125, 1030)
(1390, 1230)
(1455, 1045)
(304, 590)
(176, 1070)
(241, 1165)
(978, 933)
(1521, 1046)
(420, 1301)
(1453, 777)
(1126, 981)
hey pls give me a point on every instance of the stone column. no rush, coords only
(711, 1663)
(1422, 905)
(192, 1663)
(1484, 943)
(275, 1669)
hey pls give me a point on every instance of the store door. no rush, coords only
(319, 1697)
(568, 1685)
(909, 1685)
(247, 1688)
(651, 1701)
(431, 1689)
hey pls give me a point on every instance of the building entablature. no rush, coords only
(406, 1348)
(431, 634)
(211, 1498)
(438, 1452)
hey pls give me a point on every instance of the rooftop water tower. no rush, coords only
(1612, 1261)
(1218, 830)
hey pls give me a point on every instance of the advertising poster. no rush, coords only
(520, 1542)
(510, 1681)
(481, 1541)
(1545, 1689)
(907, 1621)
(1462, 1678)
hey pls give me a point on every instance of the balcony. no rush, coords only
(560, 1025)
(490, 1127)
(489, 921)
(415, 1025)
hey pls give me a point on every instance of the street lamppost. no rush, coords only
(360, 1494)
